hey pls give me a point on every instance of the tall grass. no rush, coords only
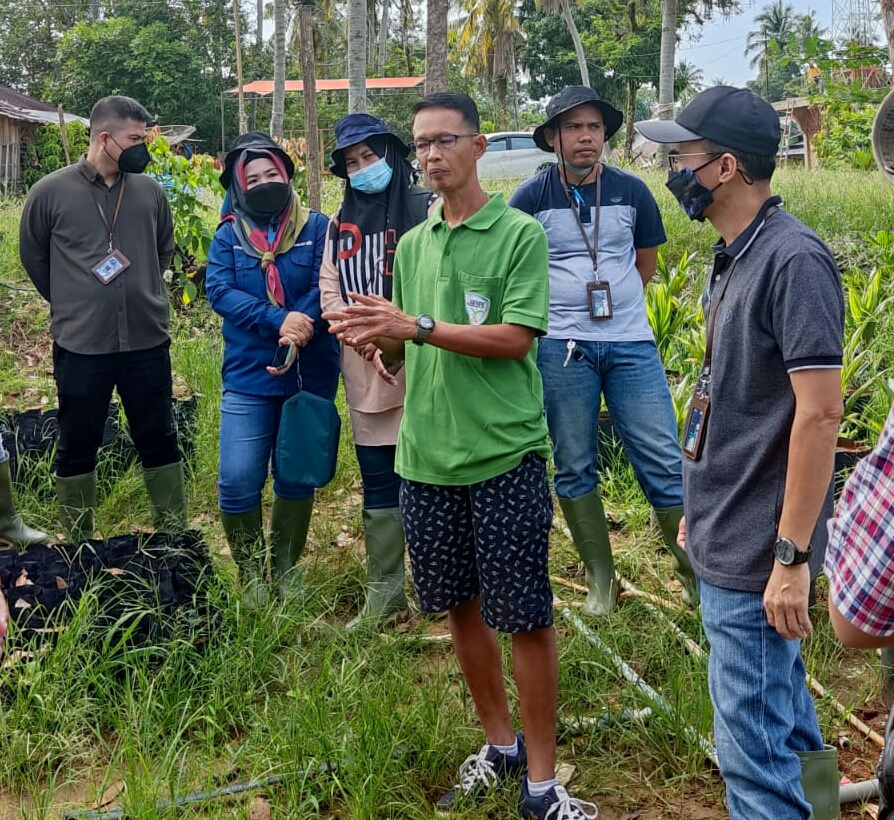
(283, 690)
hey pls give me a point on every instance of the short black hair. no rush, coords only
(116, 111)
(455, 101)
(754, 167)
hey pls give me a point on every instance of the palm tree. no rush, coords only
(486, 34)
(436, 46)
(689, 79)
(279, 67)
(776, 24)
(554, 6)
(357, 17)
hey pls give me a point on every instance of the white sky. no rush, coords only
(719, 52)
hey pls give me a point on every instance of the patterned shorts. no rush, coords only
(489, 539)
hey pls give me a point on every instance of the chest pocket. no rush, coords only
(248, 272)
(480, 299)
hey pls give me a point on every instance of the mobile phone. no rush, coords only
(694, 429)
(284, 356)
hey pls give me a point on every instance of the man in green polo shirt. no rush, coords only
(471, 294)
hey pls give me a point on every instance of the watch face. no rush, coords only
(425, 322)
(785, 551)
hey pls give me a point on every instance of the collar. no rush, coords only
(743, 241)
(481, 220)
(91, 174)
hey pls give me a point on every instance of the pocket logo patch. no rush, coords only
(477, 307)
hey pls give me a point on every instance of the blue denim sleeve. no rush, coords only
(247, 311)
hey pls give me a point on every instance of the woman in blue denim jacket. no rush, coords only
(263, 279)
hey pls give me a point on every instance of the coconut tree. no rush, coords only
(486, 33)
(357, 18)
(689, 79)
(436, 30)
(279, 67)
(564, 6)
(775, 24)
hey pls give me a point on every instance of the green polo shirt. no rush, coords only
(468, 419)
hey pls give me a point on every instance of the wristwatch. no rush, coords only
(788, 554)
(424, 325)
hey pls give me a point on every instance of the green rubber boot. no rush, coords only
(385, 596)
(167, 494)
(289, 522)
(668, 519)
(819, 779)
(245, 535)
(76, 496)
(13, 530)
(589, 530)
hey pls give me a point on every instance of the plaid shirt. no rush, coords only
(860, 555)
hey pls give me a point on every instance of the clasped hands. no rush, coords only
(297, 329)
(369, 322)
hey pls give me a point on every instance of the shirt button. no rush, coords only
(446, 253)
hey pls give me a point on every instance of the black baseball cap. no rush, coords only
(571, 97)
(735, 118)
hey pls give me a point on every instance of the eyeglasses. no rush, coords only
(673, 159)
(444, 141)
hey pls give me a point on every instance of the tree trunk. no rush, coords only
(243, 121)
(632, 88)
(383, 37)
(356, 56)
(578, 45)
(260, 33)
(436, 47)
(405, 35)
(311, 130)
(279, 67)
(666, 70)
(888, 18)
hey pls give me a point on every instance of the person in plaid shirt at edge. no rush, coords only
(860, 567)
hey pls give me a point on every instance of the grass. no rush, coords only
(281, 691)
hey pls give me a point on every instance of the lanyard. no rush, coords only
(591, 249)
(704, 377)
(102, 215)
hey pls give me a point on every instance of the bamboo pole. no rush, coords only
(64, 132)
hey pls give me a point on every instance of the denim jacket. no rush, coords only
(237, 290)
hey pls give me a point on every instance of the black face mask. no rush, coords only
(269, 199)
(693, 197)
(132, 160)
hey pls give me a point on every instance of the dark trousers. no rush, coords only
(381, 485)
(85, 384)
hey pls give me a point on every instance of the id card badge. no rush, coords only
(694, 429)
(111, 267)
(599, 301)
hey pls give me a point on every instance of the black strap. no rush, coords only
(593, 249)
(102, 214)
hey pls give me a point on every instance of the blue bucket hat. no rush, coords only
(356, 128)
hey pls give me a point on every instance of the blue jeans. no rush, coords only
(630, 376)
(763, 712)
(248, 428)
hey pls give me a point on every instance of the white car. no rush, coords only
(512, 155)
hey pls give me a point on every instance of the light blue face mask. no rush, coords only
(373, 179)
